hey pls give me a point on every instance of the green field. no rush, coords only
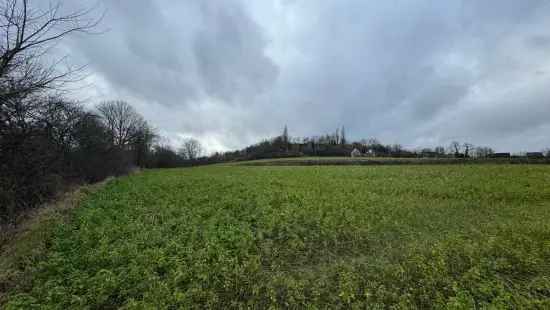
(445, 236)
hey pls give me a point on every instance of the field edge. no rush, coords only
(23, 247)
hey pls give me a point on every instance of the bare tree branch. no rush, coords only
(191, 149)
(123, 122)
(28, 36)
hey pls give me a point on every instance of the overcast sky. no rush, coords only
(418, 73)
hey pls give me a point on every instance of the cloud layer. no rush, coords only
(419, 73)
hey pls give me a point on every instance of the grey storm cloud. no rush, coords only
(230, 53)
(174, 53)
(419, 73)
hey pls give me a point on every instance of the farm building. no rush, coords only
(499, 155)
(534, 155)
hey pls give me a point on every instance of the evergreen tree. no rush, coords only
(285, 135)
(285, 138)
(343, 136)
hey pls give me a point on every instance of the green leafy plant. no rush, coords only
(455, 237)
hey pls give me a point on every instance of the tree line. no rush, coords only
(337, 144)
(47, 141)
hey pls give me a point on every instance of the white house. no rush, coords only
(355, 153)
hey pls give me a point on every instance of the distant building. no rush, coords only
(355, 153)
(499, 155)
(534, 155)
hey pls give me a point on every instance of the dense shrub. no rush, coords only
(47, 142)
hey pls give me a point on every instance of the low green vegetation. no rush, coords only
(459, 236)
(24, 246)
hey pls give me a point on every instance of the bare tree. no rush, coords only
(468, 147)
(483, 151)
(28, 34)
(58, 119)
(454, 148)
(143, 144)
(372, 141)
(35, 128)
(123, 122)
(395, 149)
(191, 149)
(26, 37)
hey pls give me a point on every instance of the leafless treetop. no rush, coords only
(27, 34)
(122, 120)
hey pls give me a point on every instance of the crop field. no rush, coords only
(442, 236)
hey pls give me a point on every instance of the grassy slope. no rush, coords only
(407, 236)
